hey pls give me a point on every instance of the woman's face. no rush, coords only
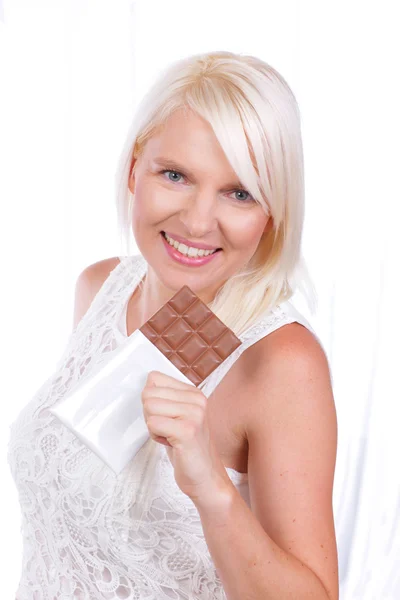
(198, 198)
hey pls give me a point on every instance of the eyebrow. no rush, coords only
(168, 163)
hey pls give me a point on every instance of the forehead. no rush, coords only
(184, 127)
(190, 140)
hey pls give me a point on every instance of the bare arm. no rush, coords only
(285, 546)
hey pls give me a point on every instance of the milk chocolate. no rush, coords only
(190, 335)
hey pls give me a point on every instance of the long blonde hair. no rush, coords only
(256, 120)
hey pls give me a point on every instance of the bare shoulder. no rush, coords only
(88, 284)
(280, 368)
(291, 347)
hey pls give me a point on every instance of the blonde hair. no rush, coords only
(256, 120)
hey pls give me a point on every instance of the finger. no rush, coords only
(175, 432)
(161, 379)
(162, 440)
(182, 396)
(174, 410)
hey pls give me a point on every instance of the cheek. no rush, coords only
(143, 206)
(247, 232)
(139, 217)
(141, 212)
(151, 204)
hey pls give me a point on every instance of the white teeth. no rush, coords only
(187, 250)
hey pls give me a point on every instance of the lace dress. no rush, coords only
(81, 539)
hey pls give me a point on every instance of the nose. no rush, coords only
(199, 215)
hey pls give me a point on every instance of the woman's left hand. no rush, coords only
(176, 416)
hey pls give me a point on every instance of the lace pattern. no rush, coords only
(81, 535)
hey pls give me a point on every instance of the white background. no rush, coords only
(71, 74)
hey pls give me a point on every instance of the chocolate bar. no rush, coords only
(190, 335)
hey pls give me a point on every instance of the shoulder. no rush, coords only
(96, 273)
(284, 368)
(89, 283)
(292, 346)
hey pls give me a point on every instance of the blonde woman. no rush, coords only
(238, 504)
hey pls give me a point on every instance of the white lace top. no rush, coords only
(80, 536)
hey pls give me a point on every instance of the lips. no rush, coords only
(190, 244)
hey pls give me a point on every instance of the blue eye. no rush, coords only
(244, 201)
(249, 199)
(170, 171)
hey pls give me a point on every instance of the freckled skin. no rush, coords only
(198, 208)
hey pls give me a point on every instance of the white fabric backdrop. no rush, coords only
(71, 74)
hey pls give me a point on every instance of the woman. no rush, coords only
(238, 503)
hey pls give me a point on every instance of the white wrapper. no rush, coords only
(105, 409)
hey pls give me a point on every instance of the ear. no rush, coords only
(131, 180)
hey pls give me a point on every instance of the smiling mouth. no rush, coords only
(217, 249)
